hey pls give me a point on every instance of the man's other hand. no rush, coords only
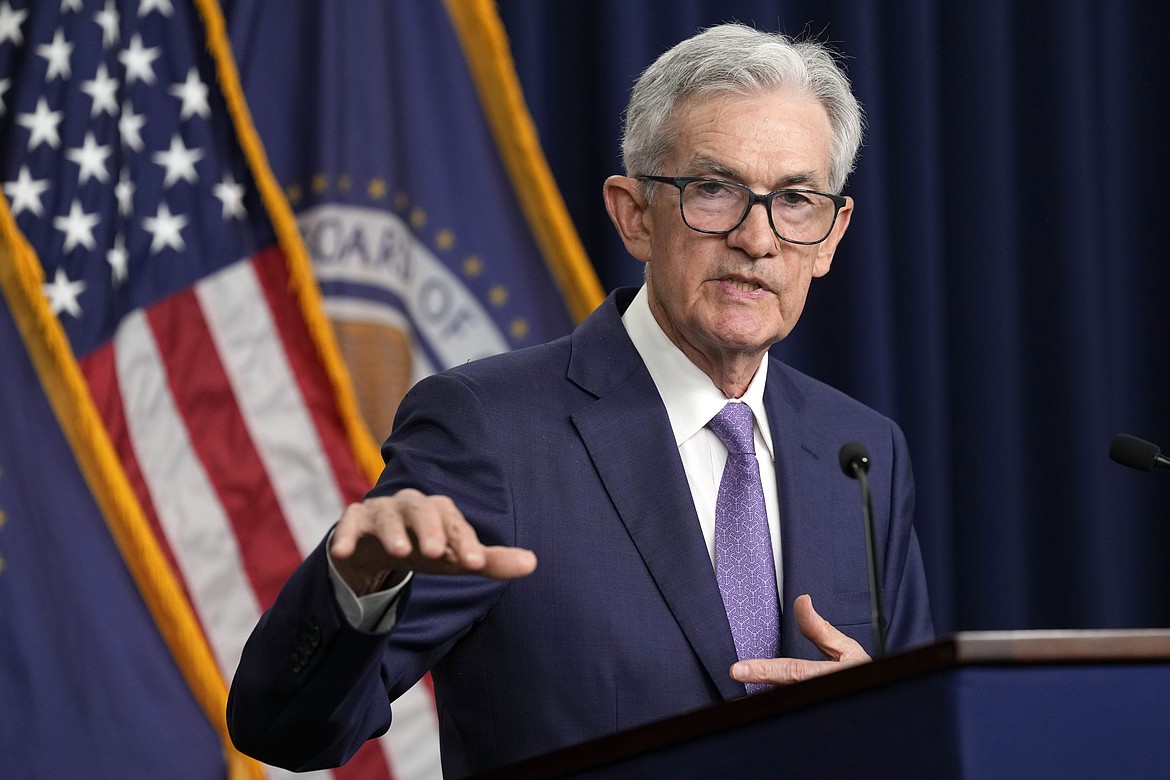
(838, 648)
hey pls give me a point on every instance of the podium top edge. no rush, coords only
(1060, 645)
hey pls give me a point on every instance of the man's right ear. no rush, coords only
(627, 207)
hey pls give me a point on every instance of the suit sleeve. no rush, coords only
(906, 603)
(310, 689)
(307, 692)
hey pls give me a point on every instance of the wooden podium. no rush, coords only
(994, 705)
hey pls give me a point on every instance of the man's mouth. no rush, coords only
(744, 285)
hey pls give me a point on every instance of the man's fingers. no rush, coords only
(375, 519)
(407, 524)
(415, 532)
(841, 650)
(507, 563)
(427, 521)
(356, 522)
(835, 645)
(462, 545)
(780, 671)
(785, 671)
(814, 627)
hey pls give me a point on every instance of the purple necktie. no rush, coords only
(744, 565)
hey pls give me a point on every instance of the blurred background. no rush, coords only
(184, 411)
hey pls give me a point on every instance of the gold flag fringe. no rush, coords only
(68, 393)
(303, 283)
(485, 45)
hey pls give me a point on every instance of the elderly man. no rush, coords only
(677, 485)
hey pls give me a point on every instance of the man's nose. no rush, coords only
(755, 235)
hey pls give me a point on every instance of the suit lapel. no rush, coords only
(801, 450)
(629, 439)
(628, 436)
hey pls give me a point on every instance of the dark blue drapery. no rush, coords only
(1000, 291)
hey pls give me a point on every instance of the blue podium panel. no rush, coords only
(1099, 721)
(974, 723)
(904, 731)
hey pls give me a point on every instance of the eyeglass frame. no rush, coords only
(754, 197)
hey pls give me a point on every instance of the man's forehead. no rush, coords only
(779, 137)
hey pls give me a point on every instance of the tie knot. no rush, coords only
(733, 426)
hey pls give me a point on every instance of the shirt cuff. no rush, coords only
(374, 613)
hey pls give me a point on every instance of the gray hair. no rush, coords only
(737, 59)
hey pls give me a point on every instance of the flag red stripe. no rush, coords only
(272, 270)
(100, 373)
(221, 440)
(271, 267)
(369, 763)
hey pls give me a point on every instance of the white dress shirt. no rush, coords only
(691, 400)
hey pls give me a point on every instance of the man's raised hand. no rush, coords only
(379, 541)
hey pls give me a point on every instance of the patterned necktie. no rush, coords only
(744, 565)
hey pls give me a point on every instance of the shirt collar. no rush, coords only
(691, 398)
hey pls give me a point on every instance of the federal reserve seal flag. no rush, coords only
(400, 136)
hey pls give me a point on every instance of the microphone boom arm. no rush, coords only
(855, 463)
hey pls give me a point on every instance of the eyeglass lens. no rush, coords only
(719, 207)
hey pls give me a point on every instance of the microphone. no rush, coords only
(853, 456)
(854, 460)
(1137, 453)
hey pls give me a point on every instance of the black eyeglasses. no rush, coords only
(719, 206)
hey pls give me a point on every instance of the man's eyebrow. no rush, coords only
(797, 179)
(713, 167)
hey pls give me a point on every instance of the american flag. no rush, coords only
(125, 171)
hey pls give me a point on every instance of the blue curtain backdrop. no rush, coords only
(1001, 290)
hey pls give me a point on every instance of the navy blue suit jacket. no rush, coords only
(566, 449)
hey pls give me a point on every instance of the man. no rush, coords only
(673, 567)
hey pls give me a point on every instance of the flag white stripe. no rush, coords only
(189, 511)
(270, 401)
(276, 773)
(412, 743)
